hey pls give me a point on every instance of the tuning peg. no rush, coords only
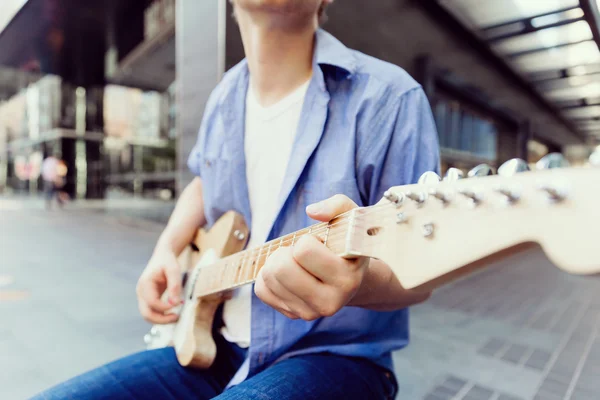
(552, 160)
(454, 174)
(417, 197)
(595, 159)
(480, 170)
(429, 177)
(394, 198)
(511, 167)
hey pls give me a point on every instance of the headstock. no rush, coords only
(430, 231)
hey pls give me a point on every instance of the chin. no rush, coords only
(301, 6)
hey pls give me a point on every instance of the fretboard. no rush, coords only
(242, 268)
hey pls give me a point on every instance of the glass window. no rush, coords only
(559, 58)
(571, 33)
(585, 91)
(484, 13)
(584, 112)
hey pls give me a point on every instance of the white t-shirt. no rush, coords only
(269, 136)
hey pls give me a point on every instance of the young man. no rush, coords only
(301, 120)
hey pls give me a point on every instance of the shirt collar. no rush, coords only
(330, 51)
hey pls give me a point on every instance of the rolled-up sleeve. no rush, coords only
(401, 144)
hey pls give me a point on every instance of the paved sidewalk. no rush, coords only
(521, 329)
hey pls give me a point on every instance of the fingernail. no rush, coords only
(315, 208)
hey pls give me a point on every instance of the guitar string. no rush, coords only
(240, 271)
(258, 252)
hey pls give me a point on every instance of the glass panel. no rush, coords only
(575, 32)
(591, 89)
(584, 112)
(484, 13)
(557, 17)
(559, 58)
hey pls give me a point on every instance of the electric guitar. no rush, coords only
(419, 230)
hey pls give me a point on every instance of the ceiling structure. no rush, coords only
(552, 44)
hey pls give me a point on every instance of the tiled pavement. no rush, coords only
(520, 329)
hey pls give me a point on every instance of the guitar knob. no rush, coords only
(552, 160)
(454, 174)
(595, 159)
(429, 177)
(480, 170)
(147, 338)
(512, 167)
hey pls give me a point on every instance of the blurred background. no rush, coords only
(116, 89)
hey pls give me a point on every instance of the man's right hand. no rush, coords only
(162, 273)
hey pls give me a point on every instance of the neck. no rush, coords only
(242, 268)
(279, 55)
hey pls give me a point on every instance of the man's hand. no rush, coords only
(308, 280)
(162, 273)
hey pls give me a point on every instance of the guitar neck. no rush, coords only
(242, 268)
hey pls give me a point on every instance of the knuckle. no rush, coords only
(303, 249)
(328, 309)
(309, 315)
(349, 285)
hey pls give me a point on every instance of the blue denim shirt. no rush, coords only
(365, 126)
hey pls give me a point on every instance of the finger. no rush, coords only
(314, 294)
(150, 295)
(319, 261)
(156, 317)
(294, 303)
(270, 299)
(173, 275)
(326, 210)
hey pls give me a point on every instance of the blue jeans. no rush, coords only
(156, 374)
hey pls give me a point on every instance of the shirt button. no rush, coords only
(208, 163)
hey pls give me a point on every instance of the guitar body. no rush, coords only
(191, 336)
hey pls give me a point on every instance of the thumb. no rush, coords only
(173, 275)
(328, 209)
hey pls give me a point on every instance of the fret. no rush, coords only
(268, 251)
(243, 267)
(254, 265)
(294, 238)
(281, 243)
(238, 271)
(327, 235)
(223, 273)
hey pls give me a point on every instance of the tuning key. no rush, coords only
(454, 174)
(512, 167)
(480, 170)
(595, 159)
(511, 197)
(394, 198)
(474, 197)
(552, 160)
(440, 196)
(417, 197)
(429, 177)
(554, 194)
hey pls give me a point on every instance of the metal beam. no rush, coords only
(592, 16)
(541, 49)
(580, 103)
(528, 25)
(551, 75)
(443, 16)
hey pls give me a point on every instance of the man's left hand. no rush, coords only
(308, 280)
